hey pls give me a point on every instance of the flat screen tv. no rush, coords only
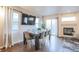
(28, 19)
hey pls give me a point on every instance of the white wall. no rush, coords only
(61, 24)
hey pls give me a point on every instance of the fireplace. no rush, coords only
(68, 31)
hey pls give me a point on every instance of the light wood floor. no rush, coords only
(53, 45)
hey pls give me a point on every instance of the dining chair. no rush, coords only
(29, 39)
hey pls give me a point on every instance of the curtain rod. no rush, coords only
(17, 10)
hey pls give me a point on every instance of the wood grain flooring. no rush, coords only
(55, 44)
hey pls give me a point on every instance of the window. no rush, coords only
(48, 24)
(69, 18)
(15, 22)
(37, 23)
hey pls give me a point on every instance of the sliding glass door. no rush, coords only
(48, 24)
(54, 26)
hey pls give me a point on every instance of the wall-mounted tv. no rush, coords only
(28, 19)
(24, 19)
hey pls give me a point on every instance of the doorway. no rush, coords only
(51, 24)
(54, 26)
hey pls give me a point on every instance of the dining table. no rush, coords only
(36, 35)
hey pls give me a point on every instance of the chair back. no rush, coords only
(27, 35)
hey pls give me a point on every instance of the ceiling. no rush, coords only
(48, 10)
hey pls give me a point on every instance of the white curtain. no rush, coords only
(11, 37)
(1, 27)
(7, 25)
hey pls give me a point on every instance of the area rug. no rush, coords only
(72, 44)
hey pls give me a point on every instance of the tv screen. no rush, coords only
(31, 20)
(28, 19)
(24, 19)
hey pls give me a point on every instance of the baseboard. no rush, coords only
(17, 42)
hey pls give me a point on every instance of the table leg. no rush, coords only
(49, 36)
(37, 43)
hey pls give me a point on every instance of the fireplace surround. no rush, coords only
(68, 31)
